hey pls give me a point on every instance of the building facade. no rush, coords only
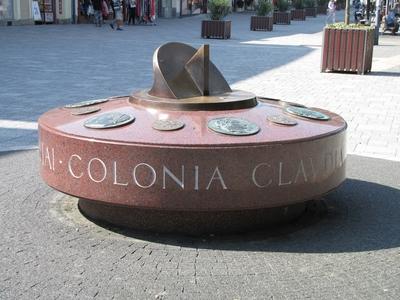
(21, 12)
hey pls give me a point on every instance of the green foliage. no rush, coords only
(298, 4)
(350, 26)
(322, 2)
(264, 7)
(309, 3)
(219, 9)
(282, 5)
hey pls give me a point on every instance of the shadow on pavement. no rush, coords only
(358, 216)
(383, 73)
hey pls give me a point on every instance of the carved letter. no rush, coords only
(196, 178)
(219, 177)
(70, 167)
(313, 169)
(280, 176)
(254, 176)
(115, 176)
(302, 171)
(47, 158)
(90, 172)
(153, 173)
(181, 183)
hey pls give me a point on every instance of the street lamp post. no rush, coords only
(377, 21)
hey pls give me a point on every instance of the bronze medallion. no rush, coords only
(233, 126)
(280, 102)
(85, 110)
(307, 113)
(109, 120)
(85, 103)
(117, 97)
(168, 125)
(282, 120)
(287, 103)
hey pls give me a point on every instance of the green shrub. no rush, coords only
(264, 7)
(322, 2)
(350, 26)
(282, 5)
(219, 9)
(298, 4)
(309, 3)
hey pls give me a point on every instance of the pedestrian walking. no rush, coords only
(132, 11)
(331, 18)
(98, 14)
(118, 19)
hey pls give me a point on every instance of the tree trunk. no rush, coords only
(347, 13)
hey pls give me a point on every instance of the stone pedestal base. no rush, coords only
(191, 222)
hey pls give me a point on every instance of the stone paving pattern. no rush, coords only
(49, 251)
(47, 66)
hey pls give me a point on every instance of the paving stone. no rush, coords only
(81, 62)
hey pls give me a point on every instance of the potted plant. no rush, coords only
(263, 20)
(311, 8)
(282, 15)
(322, 6)
(298, 11)
(347, 48)
(217, 27)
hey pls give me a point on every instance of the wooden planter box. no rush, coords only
(348, 50)
(299, 14)
(264, 23)
(212, 29)
(282, 17)
(311, 12)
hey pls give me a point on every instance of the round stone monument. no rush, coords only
(190, 155)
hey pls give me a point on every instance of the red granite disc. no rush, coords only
(192, 168)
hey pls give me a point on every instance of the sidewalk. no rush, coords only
(347, 250)
(48, 66)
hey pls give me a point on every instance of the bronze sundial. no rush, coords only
(186, 79)
(190, 154)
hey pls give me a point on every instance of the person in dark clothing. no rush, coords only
(132, 11)
(98, 15)
(117, 6)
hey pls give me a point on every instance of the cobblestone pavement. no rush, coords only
(351, 251)
(47, 66)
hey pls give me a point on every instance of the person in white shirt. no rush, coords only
(331, 18)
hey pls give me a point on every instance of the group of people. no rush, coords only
(101, 9)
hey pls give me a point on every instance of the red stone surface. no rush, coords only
(192, 169)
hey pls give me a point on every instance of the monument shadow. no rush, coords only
(361, 215)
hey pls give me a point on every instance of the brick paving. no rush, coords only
(50, 251)
(47, 66)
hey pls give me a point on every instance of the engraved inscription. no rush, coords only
(144, 175)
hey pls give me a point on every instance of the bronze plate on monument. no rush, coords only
(168, 125)
(85, 103)
(85, 110)
(233, 126)
(282, 120)
(306, 113)
(109, 120)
